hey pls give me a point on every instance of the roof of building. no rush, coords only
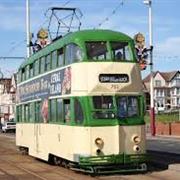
(166, 75)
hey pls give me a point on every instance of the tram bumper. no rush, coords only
(114, 163)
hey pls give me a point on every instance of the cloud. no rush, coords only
(170, 47)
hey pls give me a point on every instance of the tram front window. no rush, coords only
(127, 106)
(97, 50)
(103, 106)
(121, 51)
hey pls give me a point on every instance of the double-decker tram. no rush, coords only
(80, 103)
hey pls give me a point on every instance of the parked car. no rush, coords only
(8, 126)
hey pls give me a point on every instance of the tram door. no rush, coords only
(37, 125)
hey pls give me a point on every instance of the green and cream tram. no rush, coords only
(80, 103)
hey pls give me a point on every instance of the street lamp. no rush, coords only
(152, 113)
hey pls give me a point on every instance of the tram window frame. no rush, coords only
(78, 112)
(67, 110)
(47, 64)
(19, 76)
(32, 112)
(31, 70)
(26, 112)
(101, 111)
(98, 56)
(73, 53)
(27, 72)
(38, 116)
(36, 67)
(122, 49)
(60, 57)
(53, 110)
(18, 113)
(60, 116)
(23, 74)
(42, 65)
(54, 60)
(126, 107)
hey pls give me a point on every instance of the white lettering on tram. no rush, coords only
(56, 77)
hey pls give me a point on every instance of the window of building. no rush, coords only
(157, 83)
(97, 50)
(67, 110)
(73, 53)
(47, 63)
(121, 51)
(60, 57)
(54, 59)
(78, 111)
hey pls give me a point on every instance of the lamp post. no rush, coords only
(152, 112)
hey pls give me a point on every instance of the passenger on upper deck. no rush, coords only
(118, 56)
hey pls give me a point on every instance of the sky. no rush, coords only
(127, 16)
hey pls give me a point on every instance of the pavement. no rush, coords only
(161, 143)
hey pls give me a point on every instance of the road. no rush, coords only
(14, 166)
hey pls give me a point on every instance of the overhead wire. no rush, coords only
(111, 14)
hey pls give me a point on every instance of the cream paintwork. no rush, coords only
(71, 141)
(85, 78)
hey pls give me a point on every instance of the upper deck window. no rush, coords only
(96, 50)
(121, 51)
(73, 53)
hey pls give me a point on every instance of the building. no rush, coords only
(166, 90)
(7, 98)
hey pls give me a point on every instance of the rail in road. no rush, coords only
(14, 166)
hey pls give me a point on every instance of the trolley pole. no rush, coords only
(152, 112)
(28, 28)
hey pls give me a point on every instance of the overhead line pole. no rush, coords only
(152, 111)
(28, 28)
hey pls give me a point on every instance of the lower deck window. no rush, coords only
(104, 107)
(127, 106)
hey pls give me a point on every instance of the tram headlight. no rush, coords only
(136, 148)
(136, 139)
(99, 143)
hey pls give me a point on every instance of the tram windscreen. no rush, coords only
(103, 106)
(121, 51)
(127, 106)
(96, 50)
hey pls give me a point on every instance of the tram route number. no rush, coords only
(115, 86)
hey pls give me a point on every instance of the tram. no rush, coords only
(80, 103)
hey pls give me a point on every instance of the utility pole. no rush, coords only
(152, 112)
(28, 28)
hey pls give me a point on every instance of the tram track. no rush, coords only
(14, 166)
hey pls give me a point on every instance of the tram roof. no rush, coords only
(78, 37)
